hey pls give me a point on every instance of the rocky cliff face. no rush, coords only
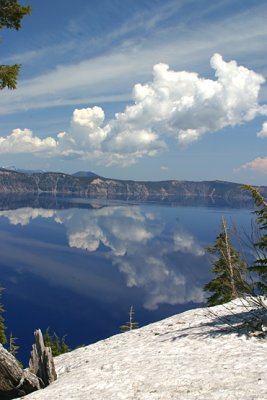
(59, 183)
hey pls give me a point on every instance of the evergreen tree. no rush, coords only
(11, 15)
(55, 345)
(47, 338)
(131, 324)
(64, 348)
(58, 346)
(228, 268)
(260, 264)
(13, 348)
(3, 338)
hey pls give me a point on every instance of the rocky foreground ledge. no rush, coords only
(194, 355)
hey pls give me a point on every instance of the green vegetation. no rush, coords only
(3, 338)
(260, 263)
(229, 269)
(11, 15)
(58, 346)
(131, 324)
(13, 348)
(11, 342)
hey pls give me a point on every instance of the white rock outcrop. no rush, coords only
(194, 355)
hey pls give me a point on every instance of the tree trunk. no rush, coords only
(229, 261)
(16, 382)
(41, 363)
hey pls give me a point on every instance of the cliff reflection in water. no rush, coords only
(46, 200)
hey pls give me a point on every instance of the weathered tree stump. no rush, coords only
(16, 382)
(41, 363)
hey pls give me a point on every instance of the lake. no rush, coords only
(78, 265)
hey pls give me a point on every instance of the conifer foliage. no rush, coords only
(3, 338)
(131, 324)
(260, 264)
(229, 269)
(58, 346)
(11, 15)
(13, 348)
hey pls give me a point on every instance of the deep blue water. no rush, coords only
(77, 267)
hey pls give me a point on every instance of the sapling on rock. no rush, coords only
(131, 324)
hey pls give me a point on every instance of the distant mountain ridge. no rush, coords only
(96, 186)
(24, 171)
(85, 174)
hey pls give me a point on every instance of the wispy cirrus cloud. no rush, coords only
(127, 53)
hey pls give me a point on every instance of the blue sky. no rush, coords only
(142, 89)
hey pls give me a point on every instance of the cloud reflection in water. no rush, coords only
(165, 265)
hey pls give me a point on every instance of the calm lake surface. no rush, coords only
(77, 265)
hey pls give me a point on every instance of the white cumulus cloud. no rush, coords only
(263, 132)
(259, 164)
(175, 105)
(23, 141)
